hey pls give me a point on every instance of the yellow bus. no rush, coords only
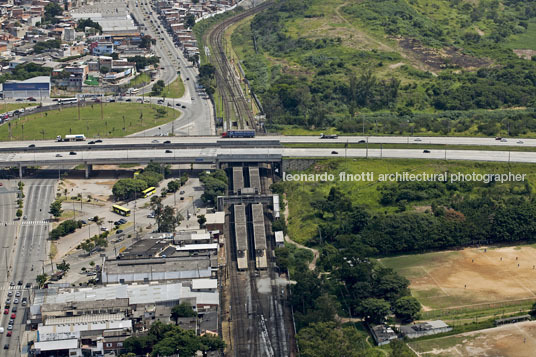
(121, 210)
(149, 191)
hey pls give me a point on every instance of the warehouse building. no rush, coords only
(37, 87)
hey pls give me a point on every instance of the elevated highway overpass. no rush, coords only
(259, 141)
(220, 155)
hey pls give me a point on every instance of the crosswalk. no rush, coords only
(24, 223)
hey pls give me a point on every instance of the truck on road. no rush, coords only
(76, 137)
(239, 134)
(328, 136)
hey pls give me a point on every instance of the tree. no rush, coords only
(326, 339)
(87, 245)
(174, 185)
(201, 220)
(400, 349)
(182, 310)
(407, 308)
(190, 21)
(55, 209)
(52, 10)
(125, 189)
(19, 213)
(166, 219)
(375, 310)
(41, 279)
(63, 266)
(83, 23)
(104, 69)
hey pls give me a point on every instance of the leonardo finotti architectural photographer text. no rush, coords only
(407, 176)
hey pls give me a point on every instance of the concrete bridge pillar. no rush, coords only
(20, 170)
(89, 169)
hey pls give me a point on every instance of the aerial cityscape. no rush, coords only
(315, 178)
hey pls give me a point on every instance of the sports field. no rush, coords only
(469, 277)
(118, 119)
(514, 340)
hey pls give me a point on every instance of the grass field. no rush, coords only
(119, 119)
(526, 40)
(303, 224)
(515, 340)
(142, 78)
(7, 107)
(174, 90)
(469, 277)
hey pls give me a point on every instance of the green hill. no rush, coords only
(322, 63)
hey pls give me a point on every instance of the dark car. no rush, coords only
(19, 100)
(91, 142)
(426, 151)
(28, 286)
(20, 282)
(119, 231)
(98, 141)
(6, 346)
(111, 101)
(183, 106)
(72, 153)
(128, 100)
(123, 221)
(169, 151)
(167, 142)
(334, 153)
(187, 78)
(117, 223)
(361, 142)
(14, 309)
(178, 105)
(31, 145)
(32, 99)
(83, 222)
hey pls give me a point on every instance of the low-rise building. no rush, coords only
(382, 334)
(424, 328)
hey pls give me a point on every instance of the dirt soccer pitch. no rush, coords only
(469, 277)
(515, 340)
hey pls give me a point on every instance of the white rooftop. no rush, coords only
(279, 237)
(85, 326)
(187, 247)
(198, 284)
(215, 218)
(437, 324)
(56, 345)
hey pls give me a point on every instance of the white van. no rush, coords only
(1, 330)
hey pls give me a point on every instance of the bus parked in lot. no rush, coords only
(149, 191)
(121, 210)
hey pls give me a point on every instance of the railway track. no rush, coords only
(236, 109)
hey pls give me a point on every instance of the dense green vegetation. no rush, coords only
(168, 340)
(313, 78)
(64, 229)
(83, 23)
(214, 185)
(352, 222)
(127, 189)
(43, 46)
(25, 71)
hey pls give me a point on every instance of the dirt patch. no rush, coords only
(396, 65)
(525, 54)
(441, 59)
(515, 340)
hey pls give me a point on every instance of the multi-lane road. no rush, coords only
(27, 248)
(199, 118)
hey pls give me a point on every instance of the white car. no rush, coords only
(520, 142)
(503, 140)
(418, 139)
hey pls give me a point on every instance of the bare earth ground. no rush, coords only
(470, 276)
(515, 340)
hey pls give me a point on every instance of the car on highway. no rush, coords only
(169, 152)
(361, 142)
(183, 106)
(31, 145)
(91, 142)
(498, 138)
(418, 139)
(6, 346)
(167, 142)
(72, 153)
(13, 316)
(503, 140)
(59, 155)
(426, 151)
(334, 153)
(128, 100)
(155, 141)
(520, 142)
(178, 105)
(98, 141)
(31, 99)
